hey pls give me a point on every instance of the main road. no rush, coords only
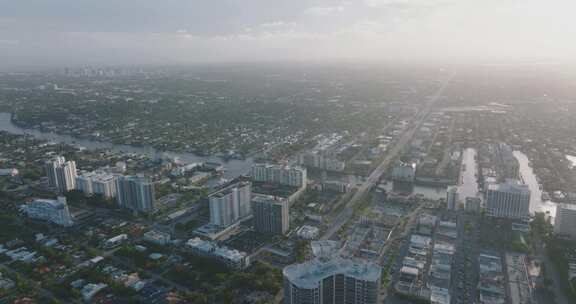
(348, 211)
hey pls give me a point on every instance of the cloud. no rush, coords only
(108, 31)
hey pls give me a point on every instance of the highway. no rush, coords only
(348, 211)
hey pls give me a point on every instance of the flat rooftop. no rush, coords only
(309, 274)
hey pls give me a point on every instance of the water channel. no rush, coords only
(233, 167)
(528, 176)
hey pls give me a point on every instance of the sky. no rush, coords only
(84, 32)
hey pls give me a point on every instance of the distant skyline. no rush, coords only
(70, 32)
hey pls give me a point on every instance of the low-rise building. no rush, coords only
(157, 237)
(308, 232)
(230, 257)
(54, 211)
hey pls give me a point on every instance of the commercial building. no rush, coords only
(97, 182)
(509, 200)
(230, 204)
(565, 222)
(136, 193)
(54, 211)
(332, 280)
(61, 174)
(277, 174)
(452, 197)
(230, 257)
(271, 214)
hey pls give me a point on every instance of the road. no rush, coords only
(346, 214)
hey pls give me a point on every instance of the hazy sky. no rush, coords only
(44, 32)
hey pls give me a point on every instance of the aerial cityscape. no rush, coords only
(127, 178)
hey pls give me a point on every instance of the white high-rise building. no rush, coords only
(230, 204)
(97, 182)
(61, 174)
(136, 193)
(277, 174)
(54, 211)
(510, 200)
(565, 222)
(332, 280)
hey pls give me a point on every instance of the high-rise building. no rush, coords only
(452, 198)
(404, 172)
(271, 214)
(61, 174)
(230, 204)
(277, 174)
(54, 211)
(136, 193)
(97, 182)
(332, 280)
(565, 222)
(510, 200)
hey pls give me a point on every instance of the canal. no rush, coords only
(234, 168)
(529, 178)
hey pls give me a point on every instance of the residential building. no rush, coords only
(157, 237)
(565, 222)
(271, 214)
(404, 172)
(230, 257)
(97, 182)
(332, 280)
(230, 204)
(136, 193)
(54, 211)
(61, 174)
(509, 200)
(452, 198)
(473, 204)
(278, 174)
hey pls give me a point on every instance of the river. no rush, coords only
(529, 177)
(234, 168)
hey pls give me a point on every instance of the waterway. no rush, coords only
(529, 178)
(233, 168)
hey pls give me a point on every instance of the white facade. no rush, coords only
(97, 182)
(61, 174)
(332, 280)
(508, 200)
(54, 211)
(283, 175)
(230, 204)
(565, 222)
(230, 257)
